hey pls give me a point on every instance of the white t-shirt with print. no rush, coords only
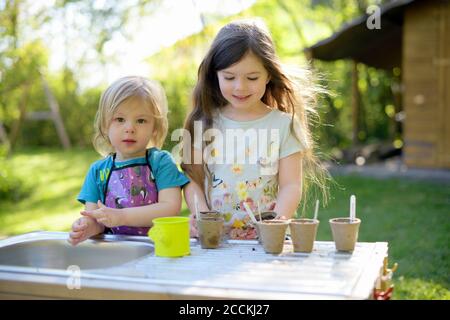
(243, 163)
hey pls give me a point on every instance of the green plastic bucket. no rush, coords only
(170, 236)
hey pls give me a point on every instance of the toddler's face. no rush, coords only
(131, 129)
(243, 84)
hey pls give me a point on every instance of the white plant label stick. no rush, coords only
(249, 212)
(259, 212)
(316, 212)
(352, 208)
(196, 207)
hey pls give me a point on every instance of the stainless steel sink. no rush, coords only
(50, 250)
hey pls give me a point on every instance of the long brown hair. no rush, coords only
(291, 91)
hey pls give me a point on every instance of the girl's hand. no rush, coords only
(109, 217)
(193, 226)
(82, 229)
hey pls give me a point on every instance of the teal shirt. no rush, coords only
(163, 167)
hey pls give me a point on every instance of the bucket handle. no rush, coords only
(156, 236)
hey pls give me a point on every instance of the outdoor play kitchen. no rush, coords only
(170, 265)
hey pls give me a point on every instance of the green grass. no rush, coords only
(54, 178)
(412, 216)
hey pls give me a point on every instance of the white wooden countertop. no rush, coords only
(236, 270)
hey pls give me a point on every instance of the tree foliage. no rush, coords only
(294, 24)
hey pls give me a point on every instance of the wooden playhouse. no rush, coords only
(414, 35)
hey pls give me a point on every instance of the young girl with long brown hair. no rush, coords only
(255, 145)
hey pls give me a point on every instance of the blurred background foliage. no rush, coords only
(294, 24)
(38, 183)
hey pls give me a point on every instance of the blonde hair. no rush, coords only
(151, 93)
(292, 91)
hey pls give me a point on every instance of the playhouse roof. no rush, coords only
(380, 48)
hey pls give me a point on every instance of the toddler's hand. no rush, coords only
(193, 226)
(82, 229)
(109, 217)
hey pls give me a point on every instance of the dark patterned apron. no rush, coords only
(130, 186)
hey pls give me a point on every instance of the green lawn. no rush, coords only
(412, 216)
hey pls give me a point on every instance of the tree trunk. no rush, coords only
(355, 103)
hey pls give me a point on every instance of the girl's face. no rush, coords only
(243, 84)
(131, 129)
